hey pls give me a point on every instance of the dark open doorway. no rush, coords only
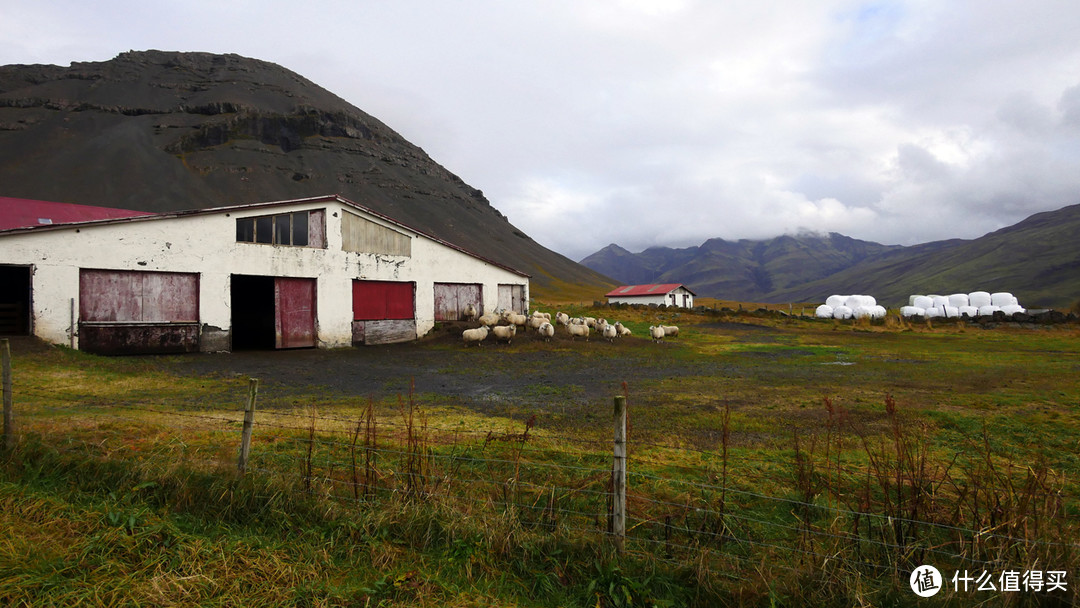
(252, 312)
(273, 312)
(15, 299)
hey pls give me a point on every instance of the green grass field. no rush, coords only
(773, 461)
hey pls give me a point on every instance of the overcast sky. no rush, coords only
(668, 122)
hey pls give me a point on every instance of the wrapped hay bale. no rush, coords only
(934, 312)
(958, 300)
(952, 312)
(1012, 309)
(1002, 299)
(824, 312)
(978, 299)
(841, 312)
(969, 311)
(911, 299)
(940, 301)
(923, 302)
(988, 310)
(834, 301)
(878, 311)
(913, 311)
(861, 312)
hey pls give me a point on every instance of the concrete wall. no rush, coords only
(205, 243)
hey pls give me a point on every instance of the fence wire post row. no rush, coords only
(9, 407)
(249, 421)
(618, 476)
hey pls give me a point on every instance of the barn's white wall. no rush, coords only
(206, 244)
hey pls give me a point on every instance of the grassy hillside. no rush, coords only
(773, 461)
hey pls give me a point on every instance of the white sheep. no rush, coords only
(474, 335)
(657, 333)
(576, 330)
(535, 322)
(490, 319)
(547, 330)
(545, 315)
(671, 330)
(504, 332)
(609, 332)
(514, 318)
(562, 318)
(622, 330)
(469, 312)
(590, 321)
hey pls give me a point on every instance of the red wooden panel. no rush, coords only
(294, 312)
(382, 300)
(110, 295)
(170, 297)
(130, 296)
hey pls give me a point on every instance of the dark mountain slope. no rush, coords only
(162, 131)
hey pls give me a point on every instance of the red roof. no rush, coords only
(24, 213)
(645, 290)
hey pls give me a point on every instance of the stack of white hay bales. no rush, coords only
(974, 304)
(848, 307)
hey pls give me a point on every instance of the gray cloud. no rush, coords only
(664, 122)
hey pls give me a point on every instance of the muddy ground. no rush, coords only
(528, 371)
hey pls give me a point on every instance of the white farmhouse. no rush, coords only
(671, 294)
(323, 272)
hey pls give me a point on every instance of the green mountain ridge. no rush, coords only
(1037, 259)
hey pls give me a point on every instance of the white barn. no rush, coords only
(314, 272)
(671, 294)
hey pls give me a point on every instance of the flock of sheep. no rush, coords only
(504, 326)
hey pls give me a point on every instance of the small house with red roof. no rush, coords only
(670, 294)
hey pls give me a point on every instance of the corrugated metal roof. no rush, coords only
(645, 290)
(25, 213)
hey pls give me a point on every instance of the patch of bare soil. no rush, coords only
(493, 377)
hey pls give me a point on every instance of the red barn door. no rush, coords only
(294, 305)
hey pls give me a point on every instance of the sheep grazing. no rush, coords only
(504, 332)
(576, 330)
(489, 319)
(469, 312)
(657, 333)
(590, 321)
(546, 315)
(622, 330)
(547, 330)
(609, 332)
(562, 318)
(535, 322)
(671, 330)
(514, 318)
(474, 335)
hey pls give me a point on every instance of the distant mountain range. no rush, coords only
(168, 131)
(1038, 260)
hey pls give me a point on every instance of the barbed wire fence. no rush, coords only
(728, 511)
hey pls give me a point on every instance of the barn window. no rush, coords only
(298, 229)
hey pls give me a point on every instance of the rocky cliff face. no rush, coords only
(163, 131)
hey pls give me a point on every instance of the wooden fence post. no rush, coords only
(9, 406)
(618, 476)
(249, 421)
